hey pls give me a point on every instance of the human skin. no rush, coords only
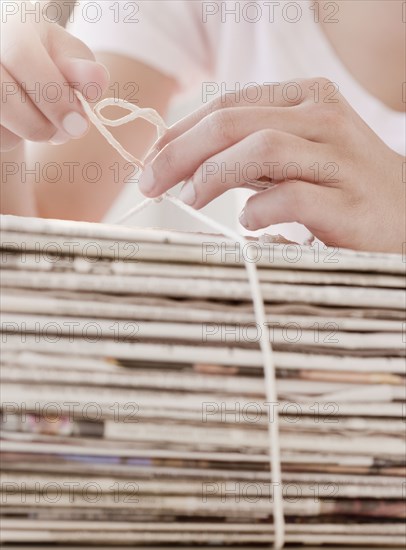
(350, 187)
(36, 52)
(346, 185)
(359, 205)
(40, 53)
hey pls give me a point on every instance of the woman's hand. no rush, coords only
(40, 62)
(326, 168)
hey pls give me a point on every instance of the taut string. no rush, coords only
(100, 122)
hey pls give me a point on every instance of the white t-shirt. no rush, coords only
(225, 45)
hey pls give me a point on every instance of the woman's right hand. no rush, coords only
(41, 63)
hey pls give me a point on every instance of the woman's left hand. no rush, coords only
(328, 170)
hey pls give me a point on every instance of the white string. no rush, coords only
(267, 353)
(101, 122)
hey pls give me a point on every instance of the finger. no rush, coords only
(215, 133)
(8, 140)
(90, 78)
(267, 95)
(78, 64)
(275, 155)
(293, 201)
(29, 63)
(316, 91)
(20, 115)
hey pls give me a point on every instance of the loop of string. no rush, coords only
(100, 122)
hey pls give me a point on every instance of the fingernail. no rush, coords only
(147, 180)
(243, 219)
(59, 138)
(75, 125)
(188, 193)
(152, 153)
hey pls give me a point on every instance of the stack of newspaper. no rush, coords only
(133, 403)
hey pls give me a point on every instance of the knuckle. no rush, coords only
(264, 141)
(221, 125)
(322, 88)
(327, 116)
(354, 200)
(165, 161)
(297, 199)
(322, 81)
(323, 84)
(41, 132)
(225, 101)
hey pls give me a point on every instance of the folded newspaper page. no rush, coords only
(133, 404)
